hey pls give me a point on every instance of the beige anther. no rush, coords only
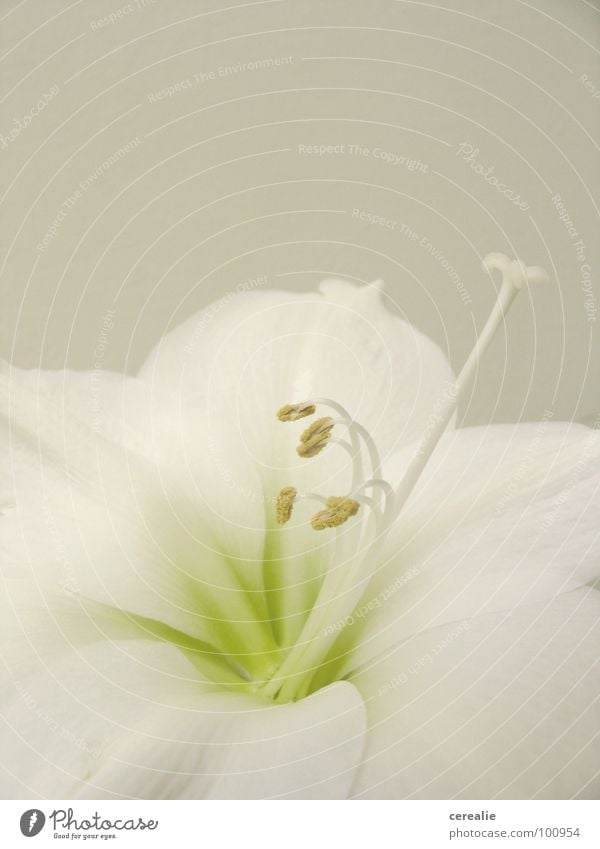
(285, 504)
(337, 511)
(315, 437)
(293, 412)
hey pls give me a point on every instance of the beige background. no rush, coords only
(215, 189)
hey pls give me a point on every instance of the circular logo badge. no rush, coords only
(32, 822)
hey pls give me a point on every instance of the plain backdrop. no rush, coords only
(158, 155)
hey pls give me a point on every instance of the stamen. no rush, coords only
(338, 510)
(285, 504)
(315, 437)
(293, 412)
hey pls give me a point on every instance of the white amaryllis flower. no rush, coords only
(203, 601)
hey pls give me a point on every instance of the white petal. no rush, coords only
(245, 356)
(108, 403)
(235, 747)
(93, 518)
(63, 708)
(129, 720)
(77, 411)
(504, 515)
(501, 706)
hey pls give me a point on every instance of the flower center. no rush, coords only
(360, 519)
